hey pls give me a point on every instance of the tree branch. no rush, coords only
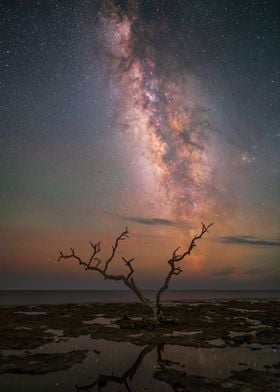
(90, 265)
(96, 249)
(174, 270)
(128, 264)
(122, 237)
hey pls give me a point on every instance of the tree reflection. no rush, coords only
(165, 373)
(103, 380)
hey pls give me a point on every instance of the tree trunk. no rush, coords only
(157, 314)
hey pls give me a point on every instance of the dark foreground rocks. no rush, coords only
(40, 363)
(235, 322)
(247, 380)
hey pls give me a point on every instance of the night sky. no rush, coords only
(155, 115)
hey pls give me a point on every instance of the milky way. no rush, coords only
(155, 114)
(160, 107)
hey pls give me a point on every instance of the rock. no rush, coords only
(40, 363)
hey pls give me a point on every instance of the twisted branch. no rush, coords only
(95, 264)
(128, 264)
(122, 237)
(174, 269)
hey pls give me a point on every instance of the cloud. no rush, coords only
(247, 240)
(153, 221)
(142, 220)
(225, 271)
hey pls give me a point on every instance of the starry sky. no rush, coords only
(155, 115)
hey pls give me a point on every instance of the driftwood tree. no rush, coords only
(95, 263)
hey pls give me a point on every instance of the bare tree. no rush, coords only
(95, 263)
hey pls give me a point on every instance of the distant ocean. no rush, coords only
(26, 297)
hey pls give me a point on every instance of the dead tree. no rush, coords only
(95, 263)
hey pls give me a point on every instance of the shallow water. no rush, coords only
(106, 321)
(124, 362)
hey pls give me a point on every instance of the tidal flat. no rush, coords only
(228, 345)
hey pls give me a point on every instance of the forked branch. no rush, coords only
(175, 258)
(95, 263)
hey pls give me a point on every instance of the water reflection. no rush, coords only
(179, 368)
(123, 366)
(103, 380)
(170, 376)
